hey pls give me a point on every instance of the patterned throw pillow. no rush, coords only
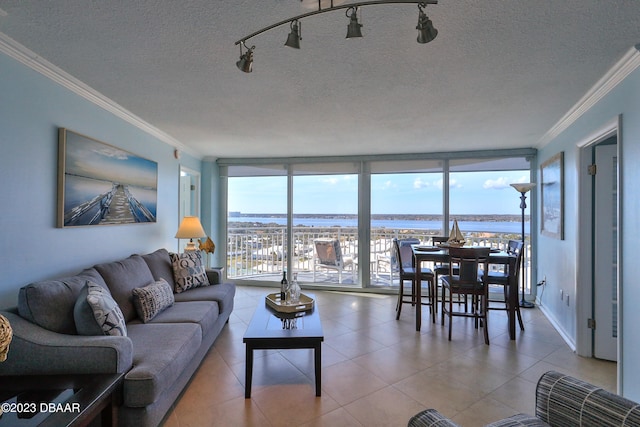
(152, 299)
(188, 271)
(105, 310)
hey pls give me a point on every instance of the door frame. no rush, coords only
(585, 300)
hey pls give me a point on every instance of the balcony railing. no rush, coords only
(260, 253)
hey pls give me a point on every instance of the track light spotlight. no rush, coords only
(426, 31)
(246, 59)
(353, 29)
(294, 37)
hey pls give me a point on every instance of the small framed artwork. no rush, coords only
(99, 184)
(552, 197)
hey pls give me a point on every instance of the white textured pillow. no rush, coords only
(188, 271)
(152, 299)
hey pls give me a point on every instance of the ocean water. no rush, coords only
(468, 226)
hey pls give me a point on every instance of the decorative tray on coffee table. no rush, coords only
(273, 301)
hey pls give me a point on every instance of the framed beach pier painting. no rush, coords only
(99, 184)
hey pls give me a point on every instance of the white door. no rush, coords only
(605, 272)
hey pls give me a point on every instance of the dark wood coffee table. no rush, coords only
(271, 330)
(60, 400)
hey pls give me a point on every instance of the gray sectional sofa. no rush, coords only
(561, 401)
(158, 357)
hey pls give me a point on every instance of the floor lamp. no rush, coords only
(523, 189)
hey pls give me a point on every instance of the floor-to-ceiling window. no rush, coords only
(325, 222)
(362, 199)
(485, 205)
(406, 203)
(256, 222)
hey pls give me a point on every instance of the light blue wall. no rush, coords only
(557, 258)
(211, 208)
(32, 107)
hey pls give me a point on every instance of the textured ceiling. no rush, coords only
(500, 73)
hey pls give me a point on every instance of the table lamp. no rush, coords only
(523, 188)
(190, 228)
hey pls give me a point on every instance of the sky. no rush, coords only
(414, 193)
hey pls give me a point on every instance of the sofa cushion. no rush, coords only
(204, 313)
(152, 299)
(159, 262)
(160, 354)
(50, 303)
(188, 270)
(223, 294)
(122, 277)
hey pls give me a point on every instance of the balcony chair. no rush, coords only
(469, 283)
(501, 278)
(406, 265)
(329, 256)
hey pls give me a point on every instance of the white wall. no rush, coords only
(557, 259)
(32, 107)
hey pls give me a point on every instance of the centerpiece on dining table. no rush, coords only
(456, 239)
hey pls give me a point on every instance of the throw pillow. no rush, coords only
(152, 299)
(188, 271)
(97, 313)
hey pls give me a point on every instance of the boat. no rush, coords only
(456, 239)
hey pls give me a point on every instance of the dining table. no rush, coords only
(440, 254)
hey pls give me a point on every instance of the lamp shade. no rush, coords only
(190, 228)
(523, 187)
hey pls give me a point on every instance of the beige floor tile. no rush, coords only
(377, 370)
(483, 412)
(292, 404)
(385, 408)
(347, 381)
(338, 418)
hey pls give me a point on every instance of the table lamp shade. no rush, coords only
(6, 333)
(190, 228)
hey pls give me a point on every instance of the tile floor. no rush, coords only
(377, 371)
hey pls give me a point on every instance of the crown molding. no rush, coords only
(620, 71)
(25, 56)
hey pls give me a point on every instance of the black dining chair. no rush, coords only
(442, 269)
(468, 282)
(501, 278)
(406, 265)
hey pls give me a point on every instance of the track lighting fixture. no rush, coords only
(294, 37)
(246, 59)
(426, 30)
(353, 29)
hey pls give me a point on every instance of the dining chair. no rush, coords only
(442, 269)
(406, 265)
(467, 282)
(501, 278)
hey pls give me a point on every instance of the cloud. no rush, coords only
(388, 185)
(330, 180)
(452, 184)
(501, 183)
(418, 183)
